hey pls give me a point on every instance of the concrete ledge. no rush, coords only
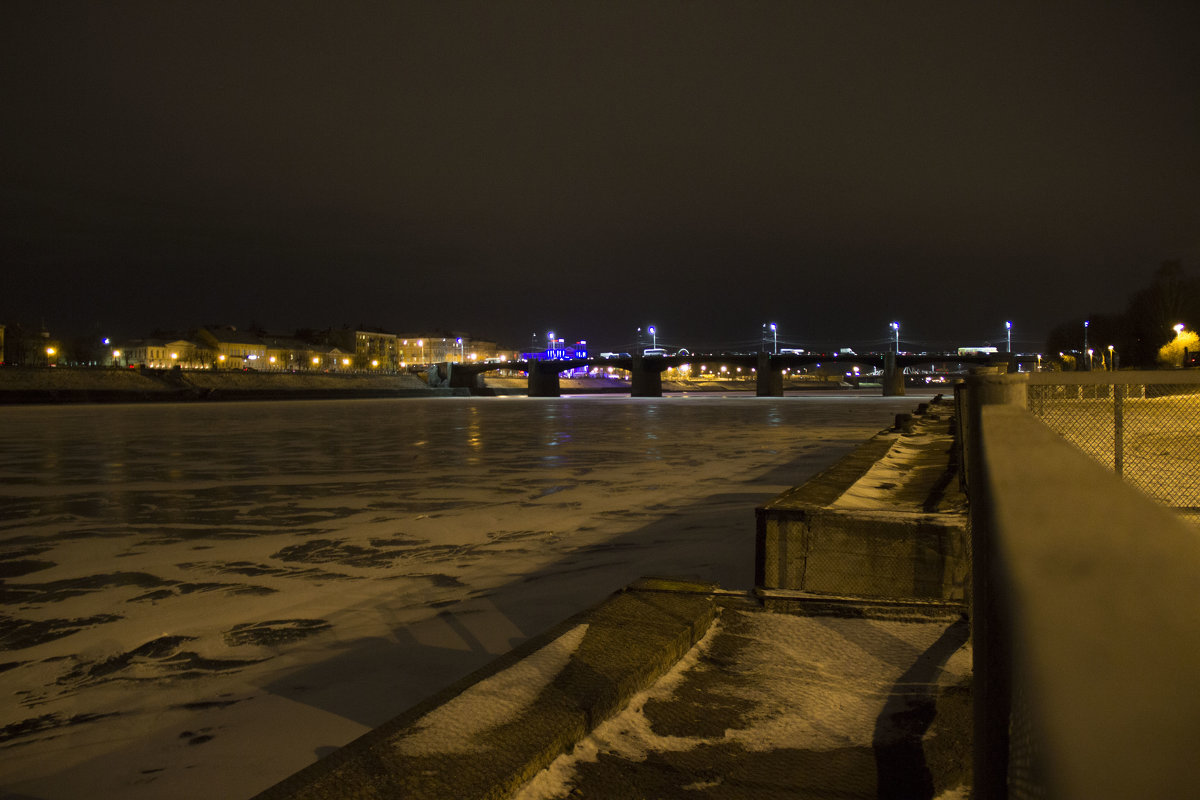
(815, 604)
(886, 521)
(1090, 593)
(591, 664)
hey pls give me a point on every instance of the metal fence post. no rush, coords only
(1119, 428)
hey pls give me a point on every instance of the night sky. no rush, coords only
(506, 168)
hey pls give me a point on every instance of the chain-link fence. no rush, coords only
(1145, 426)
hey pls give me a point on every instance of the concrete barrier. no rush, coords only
(886, 521)
(457, 745)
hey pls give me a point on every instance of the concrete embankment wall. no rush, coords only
(887, 521)
(99, 385)
(508, 385)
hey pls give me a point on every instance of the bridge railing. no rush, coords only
(1083, 603)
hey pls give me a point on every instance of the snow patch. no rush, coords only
(494, 701)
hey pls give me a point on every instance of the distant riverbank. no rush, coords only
(33, 385)
(101, 385)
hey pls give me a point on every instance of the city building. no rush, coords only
(371, 348)
(158, 354)
(440, 346)
(227, 348)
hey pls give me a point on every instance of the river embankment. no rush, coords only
(23, 385)
(52, 385)
(519, 385)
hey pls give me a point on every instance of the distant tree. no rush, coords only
(1173, 297)
(85, 350)
(1171, 353)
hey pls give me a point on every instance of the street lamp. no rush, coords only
(460, 349)
(1008, 327)
(896, 328)
(775, 339)
(421, 344)
(1085, 327)
(653, 336)
(1112, 364)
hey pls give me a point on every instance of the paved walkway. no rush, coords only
(672, 690)
(778, 705)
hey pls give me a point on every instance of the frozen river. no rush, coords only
(198, 600)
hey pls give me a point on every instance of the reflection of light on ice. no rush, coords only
(434, 563)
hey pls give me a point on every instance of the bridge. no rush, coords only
(646, 371)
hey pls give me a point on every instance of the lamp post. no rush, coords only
(653, 336)
(1008, 328)
(896, 329)
(1112, 356)
(774, 339)
(459, 342)
(1085, 327)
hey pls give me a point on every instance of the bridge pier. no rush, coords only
(460, 378)
(543, 379)
(768, 382)
(646, 377)
(893, 377)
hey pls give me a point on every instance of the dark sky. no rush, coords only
(502, 168)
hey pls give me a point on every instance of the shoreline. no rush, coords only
(72, 385)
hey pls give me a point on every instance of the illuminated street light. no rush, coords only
(775, 338)
(1112, 365)
(1008, 327)
(653, 336)
(1179, 328)
(460, 349)
(421, 344)
(1085, 327)
(896, 328)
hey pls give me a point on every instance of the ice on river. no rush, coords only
(198, 600)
